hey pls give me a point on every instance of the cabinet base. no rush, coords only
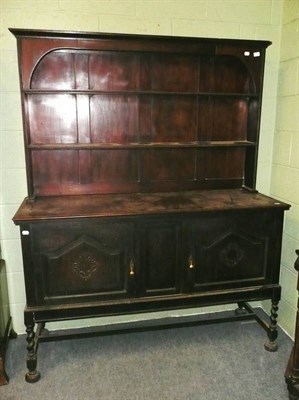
(244, 312)
(247, 313)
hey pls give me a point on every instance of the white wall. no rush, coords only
(285, 169)
(246, 19)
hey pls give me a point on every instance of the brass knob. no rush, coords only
(191, 263)
(131, 268)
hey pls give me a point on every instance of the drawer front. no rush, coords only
(80, 261)
(231, 250)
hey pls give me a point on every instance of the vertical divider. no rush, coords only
(139, 66)
(83, 125)
(197, 116)
(83, 116)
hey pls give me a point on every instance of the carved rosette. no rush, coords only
(231, 254)
(84, 265)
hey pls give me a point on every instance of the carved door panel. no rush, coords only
(228, 250)
(160, 257)
(77, 261)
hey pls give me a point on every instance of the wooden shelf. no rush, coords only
(121, 146)
(137, 93)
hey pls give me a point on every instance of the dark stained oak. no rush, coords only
(141, 156)
(129, 91)
(110, 205)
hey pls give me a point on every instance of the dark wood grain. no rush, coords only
(130, 90)
(62, 207)
(138, 150)
(114, 119)
(159, 245)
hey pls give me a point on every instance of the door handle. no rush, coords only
(131, 268)
(191, 262)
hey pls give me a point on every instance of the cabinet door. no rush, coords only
(159, 257)
(228, 250)
(80, 261)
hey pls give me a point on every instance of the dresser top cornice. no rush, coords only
(42, 33)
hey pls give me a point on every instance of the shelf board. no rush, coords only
(137, 93)
(122, 146)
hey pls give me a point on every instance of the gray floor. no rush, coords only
(209, 362)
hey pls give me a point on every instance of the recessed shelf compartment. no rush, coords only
(151, 111)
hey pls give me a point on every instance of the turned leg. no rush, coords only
(32, 375)
(272, 332)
